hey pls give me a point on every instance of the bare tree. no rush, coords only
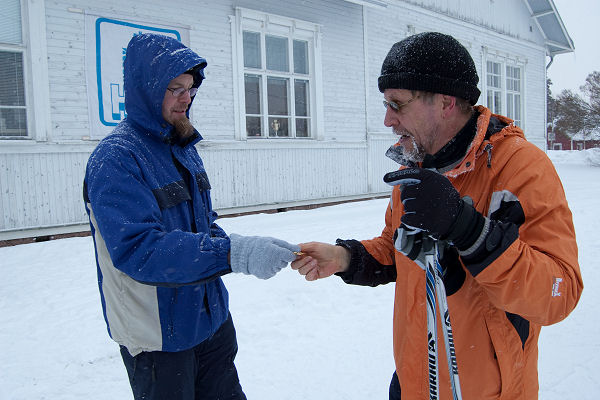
(573, 114)
(592, 89)
(571, 110)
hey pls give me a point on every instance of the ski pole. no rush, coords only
(430, 287)
(424, 251)
(448, 336)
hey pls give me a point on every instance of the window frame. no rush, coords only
(504, 64)
(19, 48)
(492, 91)
(4, 48)
(265, 24)
(510, 106)
(35, 64)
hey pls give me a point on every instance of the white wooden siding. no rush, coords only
(509, 17)
(255, 177)
(379, 164)
(66, 72)
(41, 189)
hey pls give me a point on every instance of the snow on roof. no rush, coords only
(594, 134)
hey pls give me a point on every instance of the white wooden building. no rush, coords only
(289, 110)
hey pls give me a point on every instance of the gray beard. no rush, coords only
(183, 128)
(415, 154)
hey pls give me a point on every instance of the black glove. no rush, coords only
(416, 245)
(433, 205)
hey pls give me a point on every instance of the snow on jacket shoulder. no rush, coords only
(498, 311)
(159, 253)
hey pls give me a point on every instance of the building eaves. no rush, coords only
(556, 37)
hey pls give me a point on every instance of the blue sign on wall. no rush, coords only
(105, 76)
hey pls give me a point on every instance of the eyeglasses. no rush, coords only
(395, 106)
(181, 91)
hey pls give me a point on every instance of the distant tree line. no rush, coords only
(570, 113)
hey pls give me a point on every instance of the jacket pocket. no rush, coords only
(508, 352)
(172, 194)
(202, 181)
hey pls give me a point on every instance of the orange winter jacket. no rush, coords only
(536, 281)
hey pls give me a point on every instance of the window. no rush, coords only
(513, 94)
(279, 78)
(13, 110)
(504, 92)
(494, 87)
(275, 94)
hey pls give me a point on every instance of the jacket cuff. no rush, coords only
(499, 237)
(468, 227)
(353, 246)
(364, 269)
(478, 242)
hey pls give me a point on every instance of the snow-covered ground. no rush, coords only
(297, 340)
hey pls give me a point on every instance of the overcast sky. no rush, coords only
(582, 20)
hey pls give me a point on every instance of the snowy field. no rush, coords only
(297, 340)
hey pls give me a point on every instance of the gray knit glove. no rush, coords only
(260, 256)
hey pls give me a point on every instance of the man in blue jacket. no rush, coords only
(159, 252)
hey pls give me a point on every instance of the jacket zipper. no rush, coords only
(488, 148)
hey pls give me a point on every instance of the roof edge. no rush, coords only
(552, 47)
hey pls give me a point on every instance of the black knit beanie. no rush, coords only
(431, 62)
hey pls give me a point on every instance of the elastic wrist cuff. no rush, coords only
(481, 239)
(467, 228)
(353, 247)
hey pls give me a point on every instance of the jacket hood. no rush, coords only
(151, 62)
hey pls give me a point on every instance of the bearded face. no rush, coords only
(176, 102)
(183, 127)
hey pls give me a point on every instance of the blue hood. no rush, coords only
(151, 62)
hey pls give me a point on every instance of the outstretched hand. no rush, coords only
(260, 256)
(321, 260)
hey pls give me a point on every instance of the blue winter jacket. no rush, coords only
(159, 253)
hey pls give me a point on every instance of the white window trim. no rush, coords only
(504, 60)
(494, 88)
(35, 72)
(513, 92)
(246, 18)
(39, 90)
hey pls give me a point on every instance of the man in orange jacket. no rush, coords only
(496, 206)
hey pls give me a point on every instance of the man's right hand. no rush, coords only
(321, 260)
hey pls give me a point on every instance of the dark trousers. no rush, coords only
(395, 388)
(204, 372)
